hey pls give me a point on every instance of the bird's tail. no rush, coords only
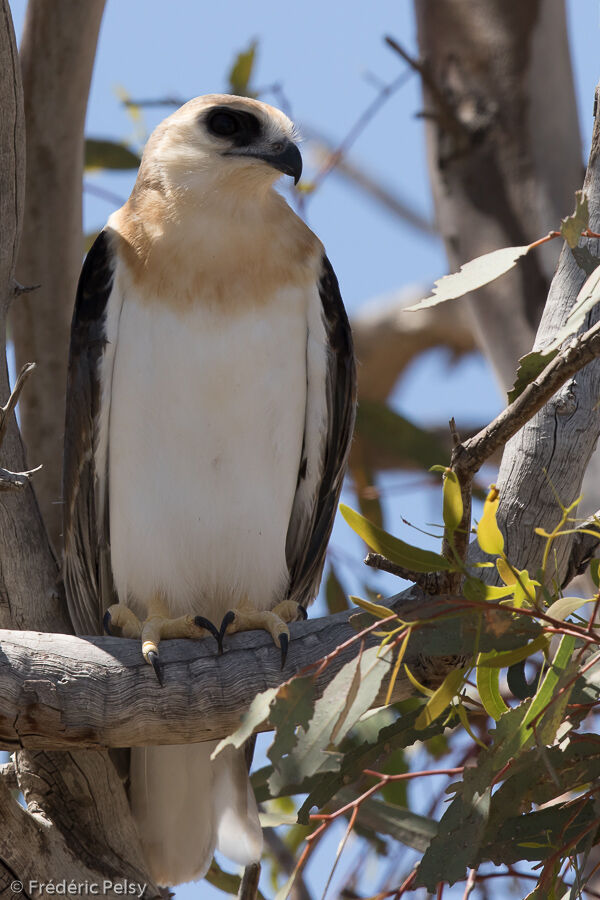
(186, 805)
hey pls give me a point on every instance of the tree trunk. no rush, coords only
(57, 58)
(78, 798)
(504, 149)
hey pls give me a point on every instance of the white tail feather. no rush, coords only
(185, 806)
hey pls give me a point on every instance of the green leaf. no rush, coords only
(401, 824)
(104, 154)
(565, 606)
(375, 609)
(489, 536)
(241, 72)
(530, 366)
(293, 706)
(572, 226)
(344, 700)
(587, 298)
(393, 548)
(474, 589)
(488, 685)
(257, 713)
(441, 698)
(335, 595)
(494, 660)
(473, 275)
(399, 735)
(452, 502)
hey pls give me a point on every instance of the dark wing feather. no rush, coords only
(87, 571)
(307, 541)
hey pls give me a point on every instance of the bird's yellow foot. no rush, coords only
(120, 621)
(246, 618)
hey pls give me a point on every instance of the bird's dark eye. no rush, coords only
(223, 124)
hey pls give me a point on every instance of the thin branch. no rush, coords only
(470, 455)
(5, 411)
(435, 583)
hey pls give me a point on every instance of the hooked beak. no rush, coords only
(282, 155)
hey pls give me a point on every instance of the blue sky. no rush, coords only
(327, 57)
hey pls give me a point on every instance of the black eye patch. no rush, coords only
(236, 126)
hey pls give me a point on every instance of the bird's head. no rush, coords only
(221, 138)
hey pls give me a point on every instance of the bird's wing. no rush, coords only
(324, 455)
(87, 572)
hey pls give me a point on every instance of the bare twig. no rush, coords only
(470, 455)
(435, 583)
(5, 411)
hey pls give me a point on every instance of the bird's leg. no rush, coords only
(156, 627)
(246, 618)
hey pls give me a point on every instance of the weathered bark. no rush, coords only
(78, 798)
(548, 457)
(57, 57)
(504, 149)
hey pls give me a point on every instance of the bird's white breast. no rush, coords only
(204, 438)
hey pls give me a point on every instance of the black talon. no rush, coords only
(302, 611)
(106, 623)
(201, 622)
(284, 643)
(228, 618)
(155, 663)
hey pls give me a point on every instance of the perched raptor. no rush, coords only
(210, 409)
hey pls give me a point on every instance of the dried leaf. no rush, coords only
(572, 226)
(473, 275)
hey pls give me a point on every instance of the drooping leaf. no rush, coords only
(359, 680)
(393, 548)
(293, 707)
(488, 685)
(399, 735)
(241, 72)
(495, 660)
(473, 275)
(530, 366)
(572, 226)
(565, 606)
(105, 154)
(506, 572)
(452, 502)
(257, 713)
(401, 824)
(489, 536)
(587, 298)
(441, 698)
